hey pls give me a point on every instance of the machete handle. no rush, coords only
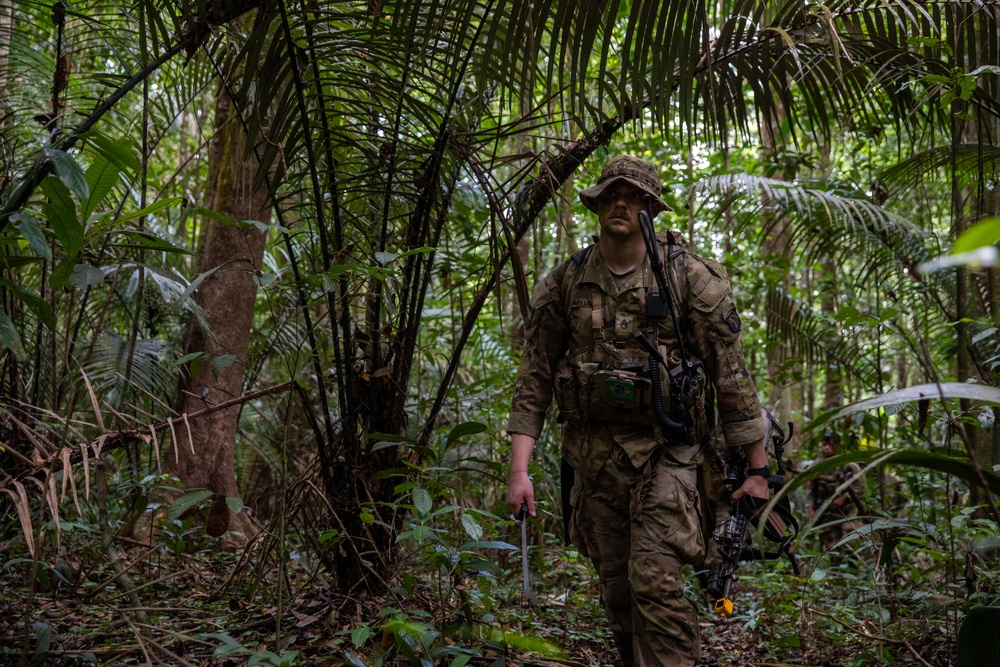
(522, 513)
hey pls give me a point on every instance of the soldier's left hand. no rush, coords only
(754, 485)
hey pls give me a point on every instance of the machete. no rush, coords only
(523, 516)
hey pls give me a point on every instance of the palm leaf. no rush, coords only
(796, 331)
(971, 161)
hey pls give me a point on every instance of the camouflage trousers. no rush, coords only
(639, 526)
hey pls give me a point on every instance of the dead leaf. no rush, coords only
(218, 517)
(304, 619)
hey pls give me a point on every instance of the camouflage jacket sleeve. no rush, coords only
(716, 336)
(545, 341)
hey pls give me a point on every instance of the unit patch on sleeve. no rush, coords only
(733, 320)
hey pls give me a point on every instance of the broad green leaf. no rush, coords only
(229, 646)
(171, 284)
(9, 337)
(69, 172)
(198, 280)
(68, 230)
(187, 501)
(85, 276)
(120, 152)
(61, 213)
(416, 251)
(384, 440)
(418, 534)
(984, 233)
(40, 307)
(360, 635)
(62, 274)
(101, 178)
(152, 208)
(504, 546)
(328, 535)
(31, 230)
(462, 430)
(385, 444)
(222, 362)
(975, 392)
(472, 527)
(235, 504)
(188, 357)
(422, 501)
(992, 69)
(16, 261)
(218, 217)
(147, 241)
(872, 458)
(44, 640)
(264, 279)
(533, 644)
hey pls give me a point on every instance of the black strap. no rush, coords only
(783, 511)
(580, 256)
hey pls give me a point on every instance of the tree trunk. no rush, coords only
(786, 396)
(227, 299)
(6, 32)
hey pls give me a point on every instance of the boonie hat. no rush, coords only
(637, 173)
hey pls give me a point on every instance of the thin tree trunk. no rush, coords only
(227, 299)
(6, 32)
(786, 395)
(834, 393)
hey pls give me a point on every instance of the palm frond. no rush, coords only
(971, 162)
(795, 330)
(828, 223)
(152, 369)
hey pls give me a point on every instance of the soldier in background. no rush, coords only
(836, 520)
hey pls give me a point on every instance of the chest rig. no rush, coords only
(613, 370)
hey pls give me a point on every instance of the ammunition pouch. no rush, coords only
(617, 388)
(600, 384)
(620, 394)
(605, 394)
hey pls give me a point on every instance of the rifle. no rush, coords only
(733, 538)
(659, 304)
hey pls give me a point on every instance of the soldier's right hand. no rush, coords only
(520, 491)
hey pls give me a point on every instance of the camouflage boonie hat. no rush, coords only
(637, 173)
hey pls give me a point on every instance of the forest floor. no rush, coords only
(217, 608)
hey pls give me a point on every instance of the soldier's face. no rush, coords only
(827, 449)
(618, 210)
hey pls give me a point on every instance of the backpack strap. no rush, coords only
(580, 256)
(577, 260)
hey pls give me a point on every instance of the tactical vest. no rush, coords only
(603, 376)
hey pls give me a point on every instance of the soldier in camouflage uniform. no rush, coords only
(636, 507)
